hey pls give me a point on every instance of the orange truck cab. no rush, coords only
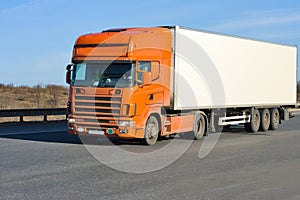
(119, 82)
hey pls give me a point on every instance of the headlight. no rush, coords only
(71, 120)
(126, 123)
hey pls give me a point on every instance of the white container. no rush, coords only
(213, 70)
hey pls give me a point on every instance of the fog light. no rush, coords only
(80, 129)
(123, 131)
(110, 131)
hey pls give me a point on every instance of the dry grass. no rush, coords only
(50, 96)
(24, 97)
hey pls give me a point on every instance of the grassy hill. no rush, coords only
(50, 96)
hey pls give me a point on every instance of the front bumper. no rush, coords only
(129, 132)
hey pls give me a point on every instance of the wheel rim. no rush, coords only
(275, 118)
(256, 120)
(200, 127)
(151, 131)
(266, 118)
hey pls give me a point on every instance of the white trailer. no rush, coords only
(251, 79)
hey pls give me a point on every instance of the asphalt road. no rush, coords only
(41, 161)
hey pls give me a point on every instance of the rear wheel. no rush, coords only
(275, 118)
(151, 131)
(254, 124)
(199, 126)
(264, 120)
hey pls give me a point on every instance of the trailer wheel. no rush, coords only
(265, 120)
(151, 131)
(275, 118)
(254, 124)
(199, 126)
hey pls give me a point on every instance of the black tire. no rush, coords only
(254, 124)
(151, 131)
(274, 119)
(265, 119)
(199, 126)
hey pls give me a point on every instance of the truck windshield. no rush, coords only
(111, 75)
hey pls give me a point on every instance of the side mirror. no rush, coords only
(68, 74)
(147, 78)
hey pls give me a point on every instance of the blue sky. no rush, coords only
(37, 36)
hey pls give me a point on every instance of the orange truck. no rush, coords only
(156, 82)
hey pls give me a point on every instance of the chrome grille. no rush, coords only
(97, 111)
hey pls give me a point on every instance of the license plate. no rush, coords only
(96, 132)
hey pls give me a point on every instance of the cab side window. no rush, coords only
(143, 66)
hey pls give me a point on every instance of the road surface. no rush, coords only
(41, 161)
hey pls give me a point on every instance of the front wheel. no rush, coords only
(151, 131)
